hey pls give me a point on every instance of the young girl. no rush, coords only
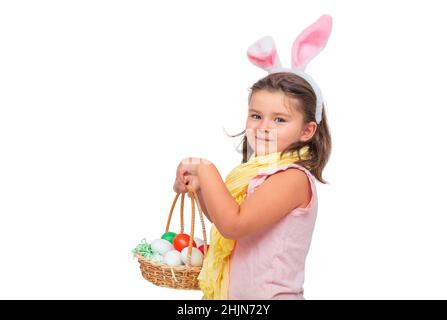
(264, 213)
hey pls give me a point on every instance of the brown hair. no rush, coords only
(302, 93)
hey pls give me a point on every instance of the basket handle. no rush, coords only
(181, 212)
(193, 195)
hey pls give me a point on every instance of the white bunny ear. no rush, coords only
(310, 42)
(263, 54)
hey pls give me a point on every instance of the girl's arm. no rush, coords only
(272, 200)
(221, 206)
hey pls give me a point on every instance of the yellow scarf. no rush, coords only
(214, 277)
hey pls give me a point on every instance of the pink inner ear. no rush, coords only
(310, 42)
(264, 61)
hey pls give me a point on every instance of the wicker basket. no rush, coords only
(176, 277)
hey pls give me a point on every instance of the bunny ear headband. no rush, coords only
(306, 46)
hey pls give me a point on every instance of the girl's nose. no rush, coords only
(265, 125)
(263, 133)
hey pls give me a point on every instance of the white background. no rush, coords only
(100, 100)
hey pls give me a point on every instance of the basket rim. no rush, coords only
(167, 267)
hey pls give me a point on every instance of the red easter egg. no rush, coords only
(201, 248)
(182, 241)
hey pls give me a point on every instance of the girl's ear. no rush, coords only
(263, 54)
(311, 41)
(308, 131)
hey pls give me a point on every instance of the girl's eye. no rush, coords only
(281, 119)
(255, 115)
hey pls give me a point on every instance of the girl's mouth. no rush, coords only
(261, 139)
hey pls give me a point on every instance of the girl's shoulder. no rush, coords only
(302, 178)
(261, 176)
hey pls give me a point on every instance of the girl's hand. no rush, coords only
(192, 183)
(187, 174)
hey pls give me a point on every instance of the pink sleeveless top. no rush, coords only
(270, 264)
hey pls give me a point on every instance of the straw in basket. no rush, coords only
(176, 277)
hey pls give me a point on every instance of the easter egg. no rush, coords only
(196, 256)
(154, 256)
(173, 258)
(181, 241)
(198, 241)
(169, 236)
(202, 249)
(161, 246)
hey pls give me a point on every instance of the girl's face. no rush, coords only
(273, 123)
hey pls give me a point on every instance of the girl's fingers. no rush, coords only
(186, 177)
(182, 172)
(194, 185)
(183, 176)
(179, 186)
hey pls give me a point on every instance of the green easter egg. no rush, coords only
(169, 236)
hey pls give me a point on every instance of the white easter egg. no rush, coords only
(198, 241)
(173, 258)
(161, 246)
(156, 257)
(196, 256)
